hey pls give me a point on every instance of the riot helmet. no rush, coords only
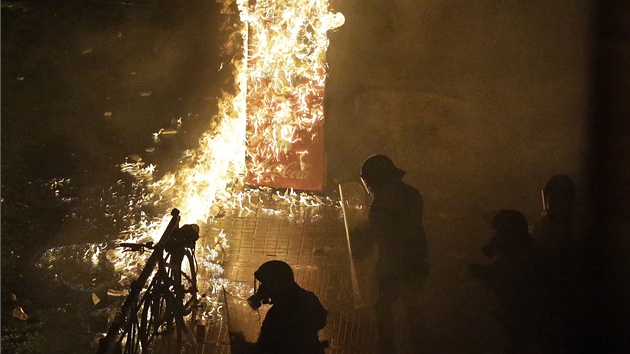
(511, 231)
(510, 222)
(274, 276)
(558, 193)
(274, 271)
(377, 170)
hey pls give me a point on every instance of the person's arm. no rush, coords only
(382, 216)
(319, 313)
(310, 314)
(362, 241)
(273, 329)
(239, 344)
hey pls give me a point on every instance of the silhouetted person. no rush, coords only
(515, 277)
(395, 220)
(555, 234)
(292, 323)
(554, 230)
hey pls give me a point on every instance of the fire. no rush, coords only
(285, 43)
(276, 104)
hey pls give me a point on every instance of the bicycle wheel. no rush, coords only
(157, 316)
(130, 339)
(189, 282)
(183, 274)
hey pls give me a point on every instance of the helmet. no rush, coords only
(510, 222)
(379, 169)
(558, 195)
(274, 272)
(274, 276)
(560, 187)
(511, 232)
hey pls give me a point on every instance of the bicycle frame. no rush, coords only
(165, 302)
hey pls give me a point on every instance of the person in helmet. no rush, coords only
(511, 232)
(395, 221)
(555, 233)
(516, 278)
(554, 230)
(292, 323)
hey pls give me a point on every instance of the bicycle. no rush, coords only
(170, 298)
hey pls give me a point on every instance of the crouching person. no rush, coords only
(516, 278)
(292, 323)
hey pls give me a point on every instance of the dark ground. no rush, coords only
(65, 64)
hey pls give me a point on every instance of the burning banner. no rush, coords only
(285, 46)
(276, 107)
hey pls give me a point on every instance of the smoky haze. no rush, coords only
(480, 102)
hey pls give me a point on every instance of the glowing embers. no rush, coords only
(285, 58)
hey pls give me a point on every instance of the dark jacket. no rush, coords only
(515, 276)
(396, 220)
(292, 323)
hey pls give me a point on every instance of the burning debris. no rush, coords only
(268, 133)
(284, 64)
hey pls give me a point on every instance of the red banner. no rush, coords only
(285, 62)
(303, 167)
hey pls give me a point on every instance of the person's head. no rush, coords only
(558, 194)
(510, 228)
(274, 277)
(274, 272)
(377, 170)
(510, 222)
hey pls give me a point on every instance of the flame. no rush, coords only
(278, 92)
(285, 51)
(276, 100)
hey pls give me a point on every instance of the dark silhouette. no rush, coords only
(396, 225)
(554, 230)
(555, 233)
(292, 323)
(515, 277)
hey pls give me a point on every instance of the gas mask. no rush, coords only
(262, 295)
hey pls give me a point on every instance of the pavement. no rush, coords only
(458, 316)
(316, 248)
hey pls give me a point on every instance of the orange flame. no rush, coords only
(285, 53)
(277, 99)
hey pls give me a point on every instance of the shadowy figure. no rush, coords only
(395, 220)
(515, 277)
(292, 323)
(554, 232)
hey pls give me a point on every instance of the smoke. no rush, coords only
(480, 102)
(485, 96)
